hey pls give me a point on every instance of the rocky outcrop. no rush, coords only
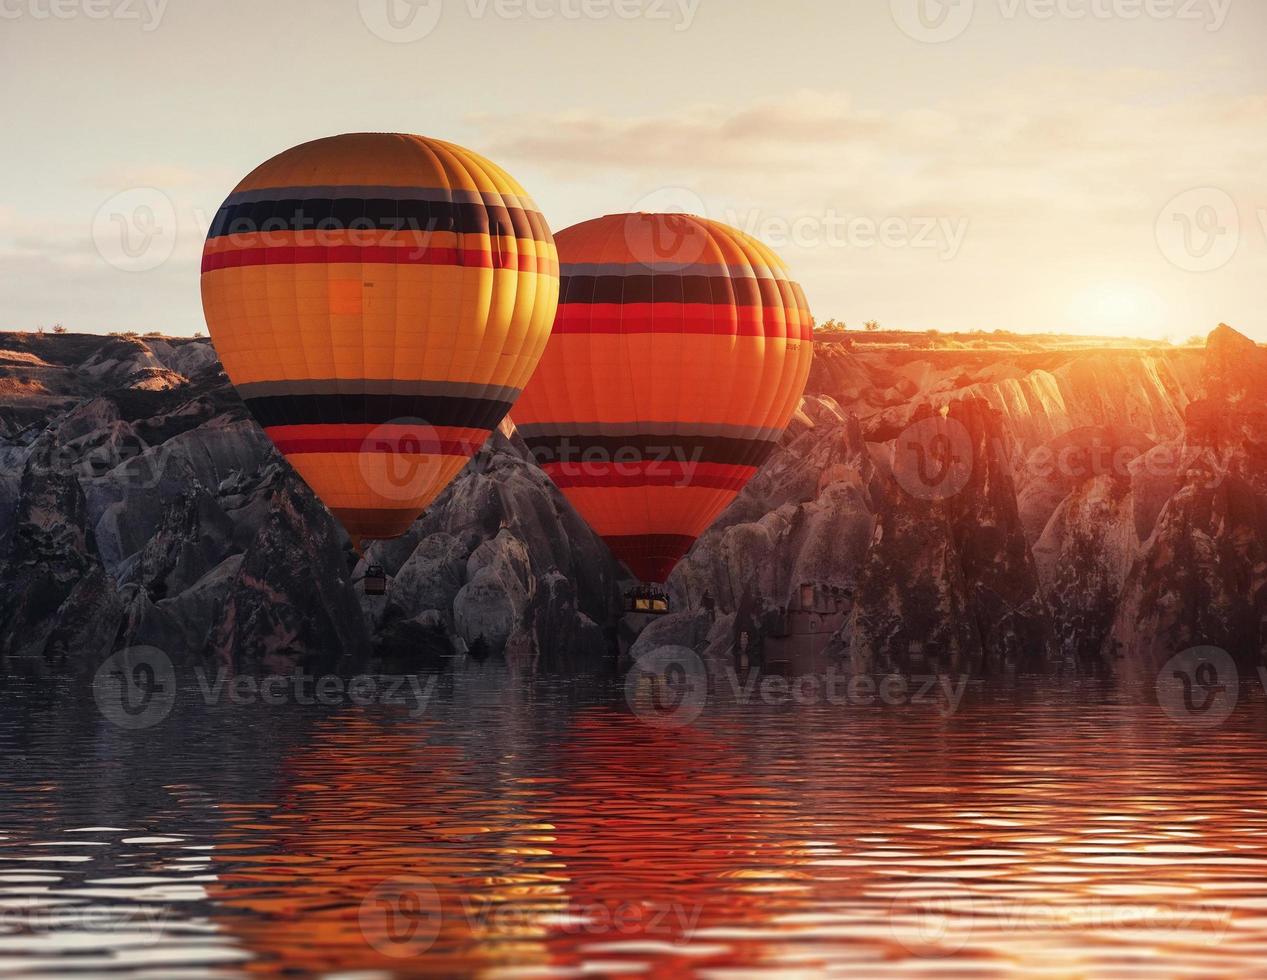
(57, 604)
(949, 579)
(555, 635)
(1201, 575)
(140, 505)
(1111, 513)
(807, 516)
(503, 565)
(291, 601)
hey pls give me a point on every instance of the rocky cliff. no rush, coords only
(1019, 508)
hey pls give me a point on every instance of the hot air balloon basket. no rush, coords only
(648, 601)
(375, 581)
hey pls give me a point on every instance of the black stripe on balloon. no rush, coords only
(720, 290)
(649, 448)
(377, 214)
(467, 413)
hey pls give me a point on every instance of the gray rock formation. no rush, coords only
(140, 505)
(1114, 514)
(1200, 577)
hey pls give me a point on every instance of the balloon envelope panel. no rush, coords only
(679, 353)
(379, 301)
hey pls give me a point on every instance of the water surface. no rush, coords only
(519, 829)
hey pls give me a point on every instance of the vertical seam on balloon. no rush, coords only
(704, 510)
(511, 191)
(508, 266)
(433, 149)
(626, 350)
(485, 290)
(307, 151)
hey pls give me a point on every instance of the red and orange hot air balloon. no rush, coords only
(379, 301)
(679, 353)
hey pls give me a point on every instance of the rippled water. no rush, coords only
(520, 830)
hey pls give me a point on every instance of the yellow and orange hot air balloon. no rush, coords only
(680, 351)
(379, 301)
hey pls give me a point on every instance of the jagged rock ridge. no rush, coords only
(1113, 511)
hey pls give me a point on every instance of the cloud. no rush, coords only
(1035, 187)
(1109, 143)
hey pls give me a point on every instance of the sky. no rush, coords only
(1084, 166)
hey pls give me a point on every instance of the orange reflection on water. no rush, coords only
(1073, 839)
(629, 852)
(369, 814)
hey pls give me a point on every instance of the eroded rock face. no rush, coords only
(950, 580)
(1114, 516)
(1201, 574)
(807, 516)
(291, 603)
(1083, 557)
(140, 505)
(57, 604)
(504, 564)
(1117, 518)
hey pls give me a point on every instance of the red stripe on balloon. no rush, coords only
(377, 254)
(650, 473)
(375, 439)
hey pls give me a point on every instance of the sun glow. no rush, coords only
(1117, 309)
